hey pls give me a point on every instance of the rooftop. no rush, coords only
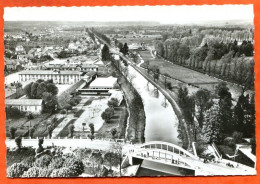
(49, 72)
(27, 102)
(100, 82)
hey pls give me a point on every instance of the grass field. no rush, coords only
(65, 130)
(186, 75)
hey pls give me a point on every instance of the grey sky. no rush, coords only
(163, 14)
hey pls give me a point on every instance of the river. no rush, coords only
(161, 121)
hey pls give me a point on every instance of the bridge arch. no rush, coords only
(167, 147)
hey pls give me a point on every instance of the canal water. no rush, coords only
(161, 121)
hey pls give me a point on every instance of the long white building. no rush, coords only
(27, 105)
(58, 77)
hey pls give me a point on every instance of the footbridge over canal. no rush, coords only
(170, 159)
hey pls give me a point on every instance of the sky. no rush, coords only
(162, 14)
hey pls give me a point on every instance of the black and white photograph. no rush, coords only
(129, 91)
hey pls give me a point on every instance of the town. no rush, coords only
(93, 99)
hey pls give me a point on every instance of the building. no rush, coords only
(103, 83)
(19, 49)
(27, 105)
(10, 64)
(58, 77)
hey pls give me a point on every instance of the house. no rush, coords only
(19, 49)
(27, 105)
(10, 64)
(103, 83)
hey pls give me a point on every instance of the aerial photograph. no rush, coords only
(129, 91)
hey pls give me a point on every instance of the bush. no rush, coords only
(43, 161)
(62, 172)
(75, 165)
(56, 163)
(14, 112)
(229, 141)
(237, 137)
(16, 170)
(31, 172)
(18, 141)
(44, 172)
(71, 130)
(68, 107)
(12, 131)
(28, 162)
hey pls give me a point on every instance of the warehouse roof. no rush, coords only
(101, 82)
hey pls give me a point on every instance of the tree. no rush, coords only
(12, 131)
(105, 116)
(49, 129)
(49, 102)
(105, 53)
(117, 148)
(27, 89)
(203, 102)
(113, 132)
(225, 109)
(31, 132)
(125, 49)
(211, 131)
(63, 111)
(92, 130)
(52, 88)
(71, 130)
(97, 160)
(18, 141)
(113, 102)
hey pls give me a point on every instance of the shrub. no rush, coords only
(31, 132)
(75, 165)
(68, 107)
(31, 172)
(113, 132)
(62, 172)
(63, 111)
(71, 130)
(43, 161)
(28, 162)
(56, 163)
(16, 170)
(12, 131)
(13, 112)
(44, 172)
(237, 137)
(18, 141)
(229, 141)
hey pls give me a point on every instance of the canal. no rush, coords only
(161, 120)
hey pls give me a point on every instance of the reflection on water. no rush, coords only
(161, 121)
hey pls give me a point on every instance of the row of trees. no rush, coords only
(214, 119)
(226, 60)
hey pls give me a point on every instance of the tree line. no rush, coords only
(227, 60)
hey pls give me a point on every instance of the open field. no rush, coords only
(185, 75)
(147, 39)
